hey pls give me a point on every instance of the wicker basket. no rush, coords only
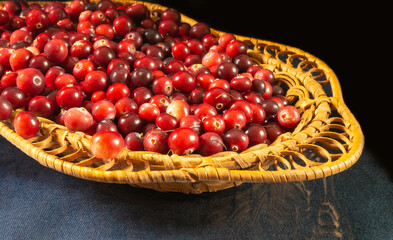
(327, 140)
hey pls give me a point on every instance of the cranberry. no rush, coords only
(103, 56)
(236, 140)
(20, 35)
(214, 124)
(212, 59)
(220, 83)
(82, 68)
(155, 51)
(4, 17)
(134, 142)
(96, 81)
(41, 106)
(204, 80)
(171, 14)
(26, 124)
(196, 96)
(20, 59)
(65, 80)
(175, 66)
(183, 141)
(9, 80)
(199, 30)
(288, 117)
(193, 122)
(56, 50)
(125, 105)
(204, 110)
(141, 95)
(106, 145)
(102, 110)
(141, 76)
(137, 11)
(105, 29)
(225, 39)
(117, 91)
(265, 74)
(161, 101)
(256, 134)
(106, 125)
(180, 51)
(81, 49)
(178, 109)
(78, 119)
(130, 122)
(31, 81)
(69, 97)
(37, 19)
(51, 76)
(149, 112)
(235, 48)
(218, 98)
(98, 17)
(184, 81)
(243, 62)
(5, 109)
(234, 119)
(273, 130)
(270, 106)
(162, 85)
(258, 114)
(156, 141)
(241, 84)
(168, 27)
(15, 96)
(166, 122)
(41, 63)
(152, 36)
(210, 143)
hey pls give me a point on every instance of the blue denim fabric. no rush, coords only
(40, 203)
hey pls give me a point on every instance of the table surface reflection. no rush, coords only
(36, 202)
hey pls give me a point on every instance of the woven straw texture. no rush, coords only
(327, 140)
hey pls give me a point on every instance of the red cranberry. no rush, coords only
(161, 101)
(193, 122)
(166, 122)
(243, 106)
(225, 39)
(218, 98)
(265, 74)
(288, 117)
(156, 140)
(37, 19)
(31, 81)
(125, 105)
(134, 142)
(96, 81)
(258, 114)
(183, 141)
(178, 109)
(214, 124)
(20, 59)
(69, 97)
(235, 48)
(26, 124)
(141, 95)
(234, 119)
(117, 91)
(56, 50)
(149, 112)
(106, 145)
(78, 119)
(184, 81)
(162, 85)
(180, 51)
(103, 110)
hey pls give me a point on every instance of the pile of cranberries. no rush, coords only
(133, 81)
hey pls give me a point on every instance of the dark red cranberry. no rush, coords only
(15, 96)
(152, 36)
(134, 141)
(156, 140)
(210, 143)
(218, 98)
(236, 140)
(256, 134)
(166, 122)
(130, 122)
(141, 76)
(199, 30)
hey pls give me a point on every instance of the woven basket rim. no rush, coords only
(206, 171)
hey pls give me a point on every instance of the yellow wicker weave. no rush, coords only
(327, 140)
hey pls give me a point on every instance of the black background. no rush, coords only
(350, 38)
